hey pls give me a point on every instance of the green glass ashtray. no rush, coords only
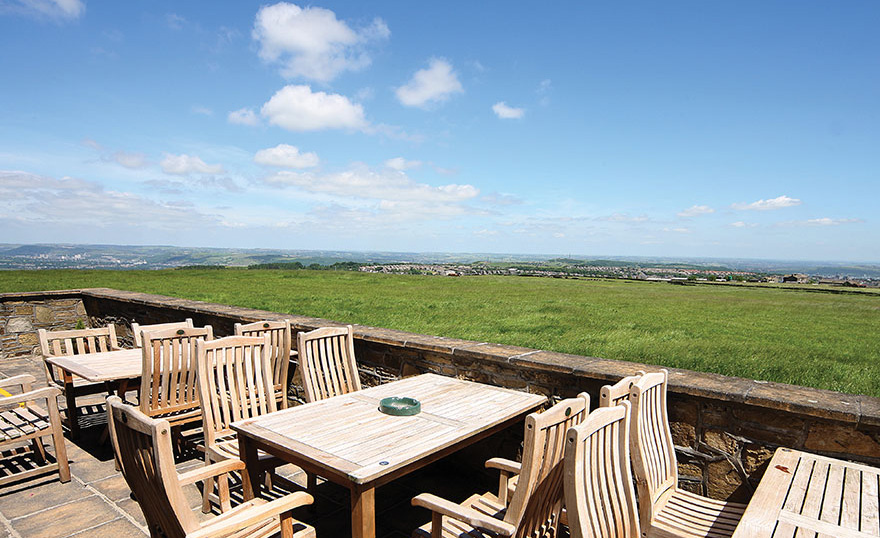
(400, 406)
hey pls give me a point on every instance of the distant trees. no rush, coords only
(338, 266)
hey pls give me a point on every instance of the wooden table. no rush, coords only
(347, 440)
(113, 368)
(803, 494)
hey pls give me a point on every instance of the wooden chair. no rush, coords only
(168, 376)
(280, 342)
(23, 421)
(599, 495)
(75, 342)
(143, 447)
(537, 501)
(610, 395)
(235, 383)
(666, 511)
(327, 362)
(137, 329)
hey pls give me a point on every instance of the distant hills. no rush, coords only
(126, 257)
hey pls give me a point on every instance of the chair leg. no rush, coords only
(58, 440)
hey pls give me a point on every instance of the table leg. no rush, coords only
(70, 396)
(363, 512)
(250, 478)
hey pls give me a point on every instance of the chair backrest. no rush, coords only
(653, 453)
(327, 363)
(235, 382)
(537, 501)
(77, 341)
(74, 342)
(279, 350)
(137, 329)
(614, 394)
(599, 494)
(168, 372)
(143, 449)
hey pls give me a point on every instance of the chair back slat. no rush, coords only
(538, 498)
(653, 452)
(327, 362)
(137, 329)
(610, 395)
(235, 382)
(74, 342)
(280, 342)
(143, 448)
(168, 374)
(599, 492)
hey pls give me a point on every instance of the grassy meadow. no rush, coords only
(821, 340)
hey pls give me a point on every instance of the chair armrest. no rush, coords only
(210, 471)
(46, 393)
(238, 519)
(512, 467)
(470, 516)
(18, 381)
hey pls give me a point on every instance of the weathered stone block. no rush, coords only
(837, 438)
(720, 440)
(723, 480)
(28, 339)
(44, 314)
(683, 434)
(19, 325)
(23, 310)
(80, 309)
(754, 457)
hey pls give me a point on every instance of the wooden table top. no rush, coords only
(104, 366)
(347, 435)
(803, 494)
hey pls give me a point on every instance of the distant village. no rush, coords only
(658, 274)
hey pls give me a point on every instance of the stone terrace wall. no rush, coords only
(22, 314)
(725, 429)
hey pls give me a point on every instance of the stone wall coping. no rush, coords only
(818, 403)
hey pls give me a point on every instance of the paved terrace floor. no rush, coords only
(98, 503)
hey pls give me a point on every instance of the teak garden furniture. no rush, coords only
(327, 362)
(22, 421)
(665, 511)
(802, 494)
(143, 448)
(279, 351)
(599, 495)
(73, 343)
(137, 329)
(347, 440)
(235, 383)
(536, 506)
(168, 374)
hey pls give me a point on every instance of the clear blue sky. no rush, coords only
(738, 129)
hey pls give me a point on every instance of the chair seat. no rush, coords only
(687, 515)
(487, 503)
(21, 423)
(267, 527)
(184, 416)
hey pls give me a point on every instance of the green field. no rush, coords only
(815, 339)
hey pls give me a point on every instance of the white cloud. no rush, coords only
(181, 165)
(399, 163)
(130, 160)
(824, 221)
(507, 112)
(432, 85)
(695, 211)
(286, 156)
(767, 205)
(298, 108)
(53, 9)
(312, 43)
(623, 217)
(243, 116)
(387, 185)
(741, 224)
(56, 205)
(677, 230)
